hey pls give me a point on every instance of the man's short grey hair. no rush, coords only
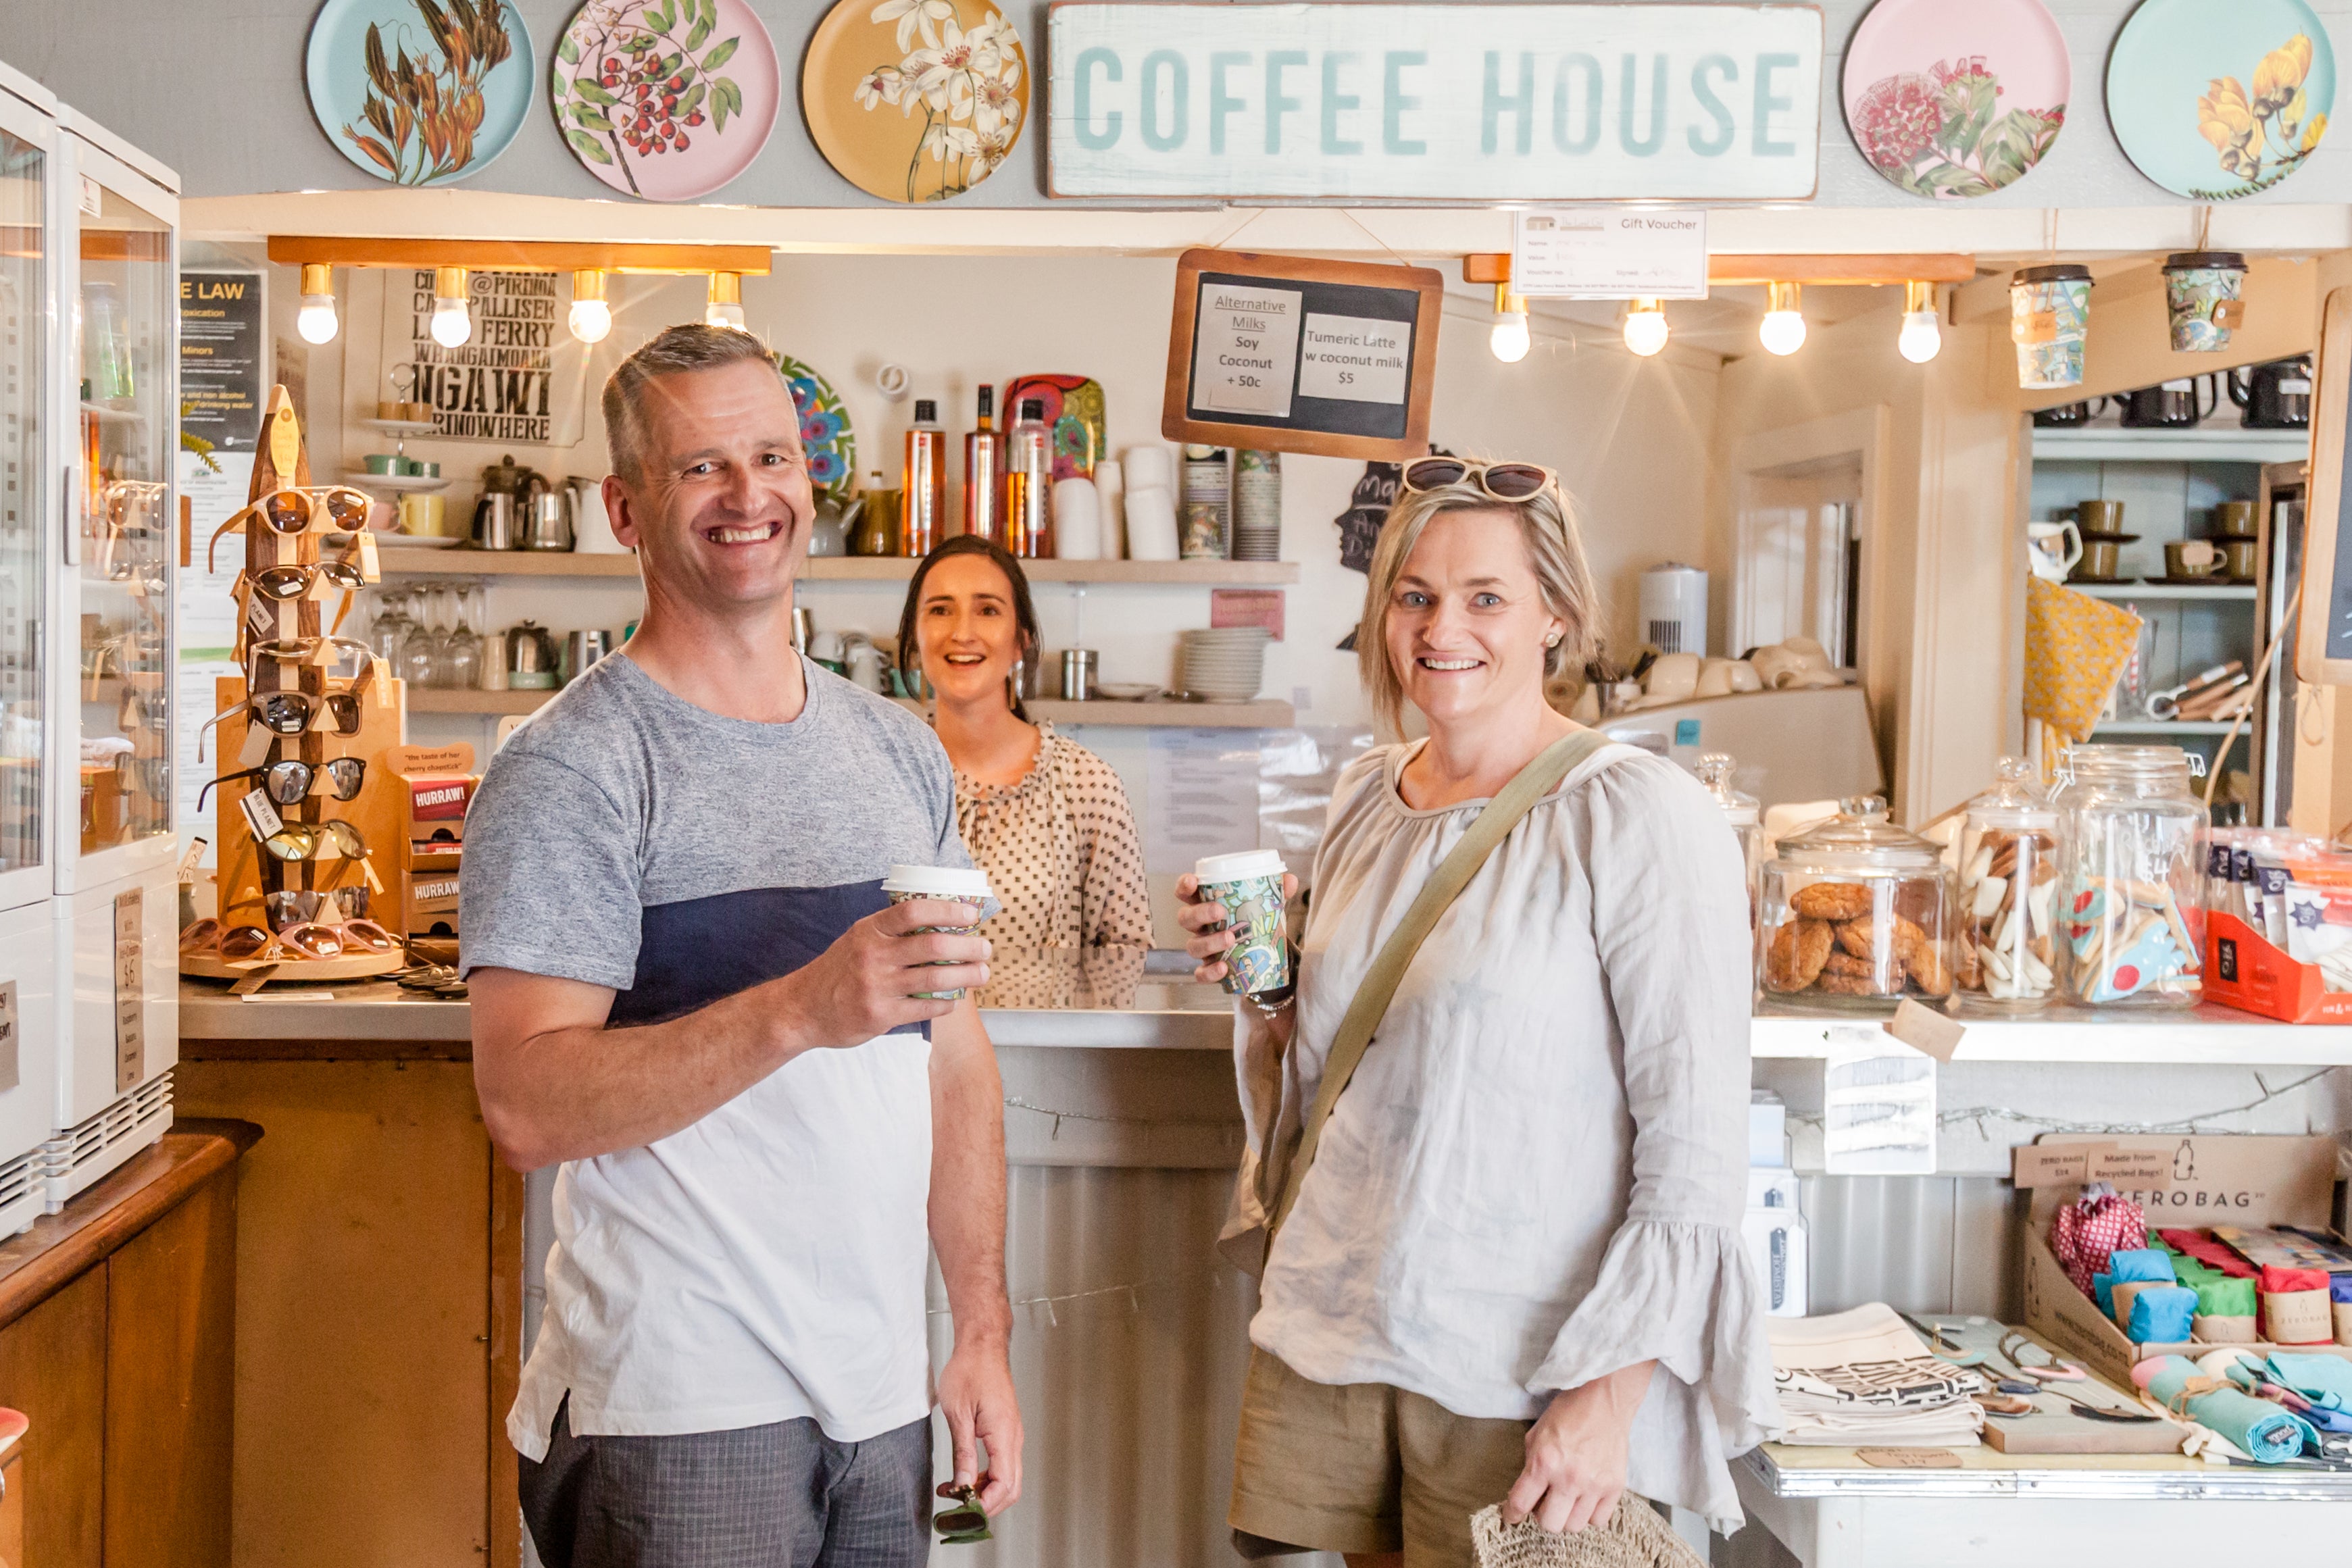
(674, 350)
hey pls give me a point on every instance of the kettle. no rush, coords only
(2275, 396)
(531, 658)
(2171, 406)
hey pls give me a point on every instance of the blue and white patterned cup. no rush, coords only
(1249, 886)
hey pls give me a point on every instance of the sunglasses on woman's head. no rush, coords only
(1498, 481)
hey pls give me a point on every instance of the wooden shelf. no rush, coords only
(2243, 592)
(465, 562)
(2227, 444)
(2170, 727)
(398, 484)
(1263, 715)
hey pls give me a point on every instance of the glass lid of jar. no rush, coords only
(2014, 801)
(1860, 836)
(1715, 771)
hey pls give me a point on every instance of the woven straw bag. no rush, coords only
(1634, 1537)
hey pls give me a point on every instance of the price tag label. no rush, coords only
(259, 814)
(191, 861)
(363, 550)
(255, 749)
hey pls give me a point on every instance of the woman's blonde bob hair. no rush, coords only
(1547, 522)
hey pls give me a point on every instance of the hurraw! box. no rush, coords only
(2183, 1183)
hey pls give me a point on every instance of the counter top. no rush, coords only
(2208, 1034)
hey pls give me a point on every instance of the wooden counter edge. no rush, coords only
(60, 1246)
(197, 1049)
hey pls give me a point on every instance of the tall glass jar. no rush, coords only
(2005, 956)
(1855, 913)
(2131, 881)
(1743, 812)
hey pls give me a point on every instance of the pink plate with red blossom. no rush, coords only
(1952, 101)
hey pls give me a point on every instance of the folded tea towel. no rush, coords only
(2143, 1263)
(2265, 1432)
(2161, 1314)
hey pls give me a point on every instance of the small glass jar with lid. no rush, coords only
(2131, 877)
(1855, 912)
(1744, 813)
(2005, 954)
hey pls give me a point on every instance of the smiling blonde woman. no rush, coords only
(1512, 1271)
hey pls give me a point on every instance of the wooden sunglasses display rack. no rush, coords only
(247, 873)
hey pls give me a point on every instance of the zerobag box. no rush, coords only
(2182, 1183)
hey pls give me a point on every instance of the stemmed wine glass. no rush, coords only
(420, 650)
(464, 647)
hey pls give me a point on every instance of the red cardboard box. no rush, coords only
(2244, 969)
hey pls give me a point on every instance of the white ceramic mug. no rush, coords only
(2047, 550)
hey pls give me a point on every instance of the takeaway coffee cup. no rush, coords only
(1249, 886)
(952, 883)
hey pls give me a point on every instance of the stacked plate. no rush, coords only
(1224, 665)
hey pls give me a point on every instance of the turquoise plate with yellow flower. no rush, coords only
(2218, 101)
(827, 439)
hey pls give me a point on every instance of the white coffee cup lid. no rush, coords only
(1237, 868)
(938, 882)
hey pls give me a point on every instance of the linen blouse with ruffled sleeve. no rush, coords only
(1537, 1173)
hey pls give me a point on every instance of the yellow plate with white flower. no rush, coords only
(2218, 101)
(916, 100)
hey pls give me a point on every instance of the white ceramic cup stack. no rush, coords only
(1149, 511)
(1110, 496)
(1077, 519)
(1224, 664)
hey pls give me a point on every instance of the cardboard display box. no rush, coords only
(437, 787)
(2246, 970)
(2184, 1184)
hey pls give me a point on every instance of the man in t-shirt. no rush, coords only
(689, 989)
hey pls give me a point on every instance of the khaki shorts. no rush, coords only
(1363, 1468)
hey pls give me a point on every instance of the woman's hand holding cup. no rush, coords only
(1208, 925)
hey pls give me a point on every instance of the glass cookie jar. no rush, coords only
(2131, 875)
(1855, 912)
(1743, 812)
(2005, 954)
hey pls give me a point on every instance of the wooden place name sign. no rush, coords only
(1294, 354)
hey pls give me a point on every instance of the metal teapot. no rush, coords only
(532, 660)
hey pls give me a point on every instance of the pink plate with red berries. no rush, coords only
(1952, 101)
(666, 100)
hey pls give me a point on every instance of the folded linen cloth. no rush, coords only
(1862, 1378)
(2267, 1433)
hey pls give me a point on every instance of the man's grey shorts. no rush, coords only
(780, 1496)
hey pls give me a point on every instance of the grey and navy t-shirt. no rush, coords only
(768, 1262)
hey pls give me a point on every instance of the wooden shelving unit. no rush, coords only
(462, 561)
(2149, 591)
(2230, 443)
(1260, 715)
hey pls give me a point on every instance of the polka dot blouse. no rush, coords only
(1060, 850)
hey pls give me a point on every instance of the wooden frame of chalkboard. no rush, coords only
(2323, 637)
(1279, 331)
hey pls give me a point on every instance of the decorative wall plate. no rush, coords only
(419, 92)
(2214, 102)
(916, 100)
(1954, 101)
(667, 99)
(830, 445)
(1074, 407)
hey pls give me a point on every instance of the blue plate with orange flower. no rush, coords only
(2215, 102)
(830, 445)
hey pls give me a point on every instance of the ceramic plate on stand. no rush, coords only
(826, 436)
(667, 99)
(1954, 101)
(2214, 102)
(373, 66)
(915, 102)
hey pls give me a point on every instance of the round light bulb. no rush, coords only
(453, 326)
(1921, 337)
(1645, 327)
(721, 313)
(591, 321)
(1783, 331)
(316, 320)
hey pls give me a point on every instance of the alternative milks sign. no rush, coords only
(1456, 102)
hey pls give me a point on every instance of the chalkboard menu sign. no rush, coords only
(2323, 641)
(1292, 354)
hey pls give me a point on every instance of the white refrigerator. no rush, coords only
(89, 557)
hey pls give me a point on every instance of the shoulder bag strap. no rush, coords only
(1500, 815)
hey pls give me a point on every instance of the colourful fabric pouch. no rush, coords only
(2161, 1314)
(2226, 1298)
(2258, 1427)
(2103, 1290)
(2296, 1308)
(2144, 1263)
(2200, 1245)
(2339, 1289)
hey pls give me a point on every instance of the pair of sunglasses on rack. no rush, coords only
(288, 584)
(291, 781)
(1498, 481)
(337, 509)
(295, 712)
(296, 939)
(312, 840)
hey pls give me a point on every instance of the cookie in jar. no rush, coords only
(2006, 952)
(1855, 912)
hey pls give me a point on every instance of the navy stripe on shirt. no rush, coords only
(699, 951)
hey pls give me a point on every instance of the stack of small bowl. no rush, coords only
(1227, 664)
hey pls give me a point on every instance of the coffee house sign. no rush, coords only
(1435, 102)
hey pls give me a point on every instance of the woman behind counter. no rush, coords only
(1046, 818)
(1512, 1273)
